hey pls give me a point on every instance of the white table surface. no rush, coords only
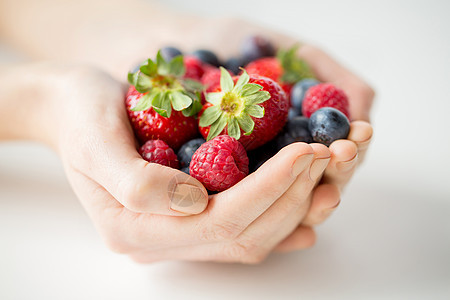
(390, 238)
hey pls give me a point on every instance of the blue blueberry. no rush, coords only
(233, 64)
(328, 124)
(294, 112)
(296, 130)
(260, 155)
(207, 56)
(170, 52)
(255, 47)
(185, 170)
(187, 151)
(299, 90)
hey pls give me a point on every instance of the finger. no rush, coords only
(128, 232)
(237, 207)
(344, 157)
(109, 157)
(325, 200)
(361, 134)
(303, 237)
(328, 70)
(290, 209)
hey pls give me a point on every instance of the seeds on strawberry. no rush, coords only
(220, 163)
(157, 151)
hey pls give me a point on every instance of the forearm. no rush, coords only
(110, 34)
(23, 102)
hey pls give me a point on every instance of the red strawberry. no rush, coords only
(220, 163)
(252, 111)
(286, 68)
(150, 125)
(325, 95)
(160, 103)
(211, 78)
(194, 68)
(157, 151)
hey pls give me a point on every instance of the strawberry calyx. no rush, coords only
(294, 68)
(164, 88)
(234, 106)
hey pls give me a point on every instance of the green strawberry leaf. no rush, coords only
(149, 69)
(246, 123)
(226, 82)
(233, 129)
(194, 108)
(214, 98)
(143, 83)
(255, 111)
(294, 68)
(161, 104)
(257, 98)
(179, 100)
(250, 88)
(193, 85)
(163, 65)
(210, 115)
(216, 128)
(176, 66)
(145, 102)
(242, 81)
(132, 78)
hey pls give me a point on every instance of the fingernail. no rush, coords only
(300, 164)
(317, 167)
(345, 166)
(188, 199)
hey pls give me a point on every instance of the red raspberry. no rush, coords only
(220, 163)
(157, 151)
(194, 68)
(325, 95)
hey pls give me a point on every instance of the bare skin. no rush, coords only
(78, 110)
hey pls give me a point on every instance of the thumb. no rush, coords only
(114, 163)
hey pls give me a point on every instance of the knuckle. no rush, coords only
(223, 231)
(117, 245)
(132, 195)
(247, 252)
(291, 202)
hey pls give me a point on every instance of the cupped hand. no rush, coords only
(152, 212)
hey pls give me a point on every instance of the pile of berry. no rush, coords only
(246, 109)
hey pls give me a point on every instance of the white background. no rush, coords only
(389, 239)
